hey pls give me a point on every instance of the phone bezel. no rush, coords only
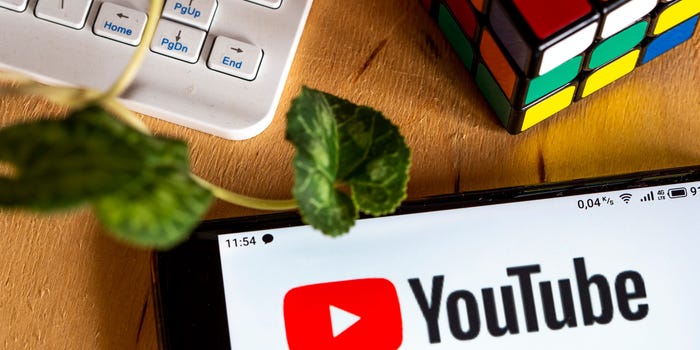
(184, 324)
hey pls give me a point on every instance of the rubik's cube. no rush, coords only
(533, 58)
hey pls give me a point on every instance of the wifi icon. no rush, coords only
(626, 197)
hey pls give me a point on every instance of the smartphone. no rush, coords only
(600, 263)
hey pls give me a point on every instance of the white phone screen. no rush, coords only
(597, 271)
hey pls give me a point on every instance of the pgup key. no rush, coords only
(196, 13)
(187, 11)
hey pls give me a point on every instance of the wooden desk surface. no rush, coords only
(65, 285)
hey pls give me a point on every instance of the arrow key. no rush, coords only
(235, 57)
(120, 23)
(70, 13)
(15, 5)
(273, 4)
(178, 41)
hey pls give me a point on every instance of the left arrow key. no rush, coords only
(120, 23)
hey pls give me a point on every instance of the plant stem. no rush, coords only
(79, 97)
(7, 170)
(69, 96)
(245, 201)
(15, 77)
(108, 101)
(123, 113)
(130, 71)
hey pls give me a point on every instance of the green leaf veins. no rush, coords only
(339, 144)
(349, 159)
(139, 185)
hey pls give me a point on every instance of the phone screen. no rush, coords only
(615, 269)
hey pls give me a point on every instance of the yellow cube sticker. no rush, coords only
(547, 107)
(676, 14)
(609, 73)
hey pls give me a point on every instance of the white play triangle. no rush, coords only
(341, 320)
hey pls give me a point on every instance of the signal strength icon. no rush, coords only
(649, 197)
(626, 197)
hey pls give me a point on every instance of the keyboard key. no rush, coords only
(71, 13)
(16, 5)
(120, 23)
(178, 41)
(235, 58)
(197, 13)
(273, 4)
(181, 80)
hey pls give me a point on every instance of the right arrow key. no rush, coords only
(235, 57)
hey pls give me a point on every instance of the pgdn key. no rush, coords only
(178, 41)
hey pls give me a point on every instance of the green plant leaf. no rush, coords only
(339, 144)
(139, 184)
(61, 163)
(374, 158)
(159, 211)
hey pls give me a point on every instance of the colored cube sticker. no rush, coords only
(669, 39)
(617, 45)
(520, 119)
(616, 15)
(538, 41)
(456, 36)
(673, 13)
(607, 74)
(533, 58)
(517, 88)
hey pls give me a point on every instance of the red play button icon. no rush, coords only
(352, 314)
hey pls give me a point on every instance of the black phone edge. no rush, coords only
(206, 233)
(211, 228)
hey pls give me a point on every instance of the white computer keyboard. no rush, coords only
(215, 66)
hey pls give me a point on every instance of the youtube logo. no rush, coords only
(353, 314)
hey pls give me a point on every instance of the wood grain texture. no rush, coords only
(66, 285)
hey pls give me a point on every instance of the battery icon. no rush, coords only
(677, 192)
